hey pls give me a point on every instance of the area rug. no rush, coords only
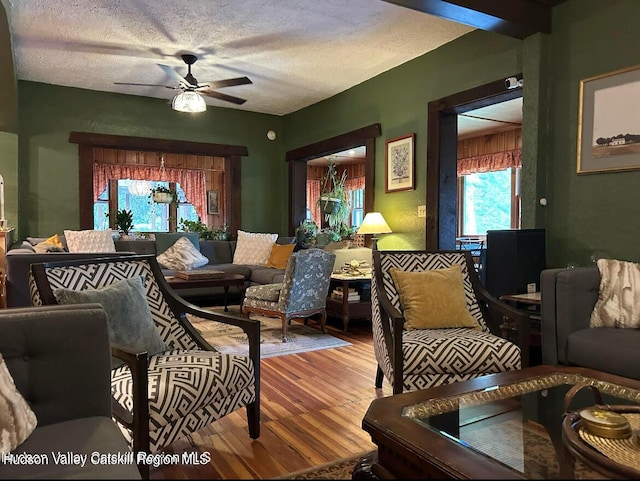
(341, 469)
(232, 340)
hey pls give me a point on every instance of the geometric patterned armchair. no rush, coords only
(160, 398)
(301, 295)
(413, 359)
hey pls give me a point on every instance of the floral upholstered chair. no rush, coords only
(410, 353)
(174, 384)
(302, 294)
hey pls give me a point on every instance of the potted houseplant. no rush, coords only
(124, 221)
(163, 195)
(306, 233)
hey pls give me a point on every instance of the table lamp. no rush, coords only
(374, 223)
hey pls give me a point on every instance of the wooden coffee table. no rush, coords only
(227, 281)
(505, 425)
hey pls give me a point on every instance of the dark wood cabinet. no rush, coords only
(514, 259)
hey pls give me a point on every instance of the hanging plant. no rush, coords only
(163, 195)
(334, 201)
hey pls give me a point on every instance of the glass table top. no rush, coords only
(517, 425)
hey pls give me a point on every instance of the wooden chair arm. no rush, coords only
(137, 420)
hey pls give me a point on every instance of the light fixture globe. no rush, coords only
(189, 101)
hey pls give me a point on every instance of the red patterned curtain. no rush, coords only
(313, 194)
(490, 162)
(354, 183)
(192, 181)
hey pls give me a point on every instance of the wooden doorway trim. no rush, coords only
(297, 159)
(442, 147)
(88, 140)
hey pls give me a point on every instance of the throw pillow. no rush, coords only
(182, 256)
(280, 255)
(89, 241)
(618, 303)
(164, 240)
(253, 249)
(433, 299)
(17, 420)
(128, 314)
(52, 244)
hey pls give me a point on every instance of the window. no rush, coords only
(488, 201)
(356, 199)
(148, 216)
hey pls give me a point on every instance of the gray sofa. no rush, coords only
(60, 360)
(220, 255)
(568, 298)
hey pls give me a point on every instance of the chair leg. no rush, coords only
(379, 377)
(253, 418)
(285, 321)
(323, 320)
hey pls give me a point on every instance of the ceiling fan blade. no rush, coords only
(220, 96)
(145, 85)
(174, 75)
(231, 82)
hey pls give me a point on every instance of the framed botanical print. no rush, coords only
(400, 164)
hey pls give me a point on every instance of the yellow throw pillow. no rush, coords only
(55, 240)
(433, 299)
(280, 255)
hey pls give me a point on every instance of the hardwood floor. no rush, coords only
(312, 408)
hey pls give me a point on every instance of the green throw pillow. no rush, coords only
(128, 314)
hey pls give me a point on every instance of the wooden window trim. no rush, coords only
(87, 141)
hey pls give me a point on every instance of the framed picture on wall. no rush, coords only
(400, 164)
(609, 122)
(212, 202)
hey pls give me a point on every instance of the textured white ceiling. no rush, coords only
(296, 52)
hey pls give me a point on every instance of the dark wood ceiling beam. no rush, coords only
(515, 18)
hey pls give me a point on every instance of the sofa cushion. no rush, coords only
(266, 275)
(97, 434)
(164, 240)
(253, 248)
(232, 269)
(17, 420)
(128, 314)
(89, 241)
(218, 252)
(606, 349)
(182, 255)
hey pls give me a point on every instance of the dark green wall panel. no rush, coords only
(49, 163)
(590, 215)
(398, 99)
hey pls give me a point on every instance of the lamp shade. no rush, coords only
(374, 223)
(189, 101)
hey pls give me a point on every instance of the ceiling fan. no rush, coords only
(189, 84)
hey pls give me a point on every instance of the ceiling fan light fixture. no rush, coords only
(188, 101)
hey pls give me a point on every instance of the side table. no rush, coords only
(531, 303)
(342, 308)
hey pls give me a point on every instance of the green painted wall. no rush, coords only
(49, 163)
(398, 99)
(8, 120)
(594, 214)
(586, 215)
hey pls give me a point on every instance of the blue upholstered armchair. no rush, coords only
(302, 294)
